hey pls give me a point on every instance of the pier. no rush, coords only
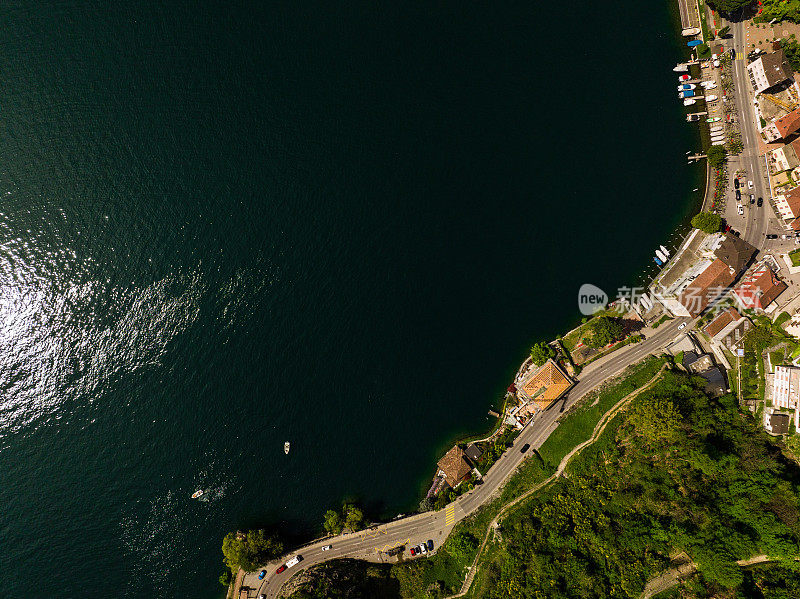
(695, 157)
(690, 15)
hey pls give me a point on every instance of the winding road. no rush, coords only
(373, 543)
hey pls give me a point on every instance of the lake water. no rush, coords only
(224, 226)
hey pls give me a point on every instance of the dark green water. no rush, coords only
(224, 226)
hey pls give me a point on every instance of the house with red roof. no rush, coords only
(759, 288)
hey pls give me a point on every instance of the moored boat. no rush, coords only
(286, 447)
(718, 143)
(197, 494)
(661, 256)
(713, 119)
(686, 93)
(665, 250)
(657, 261)
(693, 43)
(686, 86)
(681, 67)
(689, 102)
(711, 98)
(717, 128)
(690, 31)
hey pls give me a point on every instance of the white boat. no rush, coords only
(708, 84)
(688, 101)
(665, 250)
(718, 143)
(690, 31)
(286, 447)
(717, 128)
(681, 67)
(661, 256)
(711, 98)
(198, 494)
(684, 86)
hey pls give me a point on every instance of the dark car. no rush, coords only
(430, 544)
(736, 183)
(413, 551)
(281, 569)
(525, 448)
(738, 196)
(262, 574)
(760, 202)
(735, 232)
(771, 236)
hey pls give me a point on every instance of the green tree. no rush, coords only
(248, 551)
(604, 330)
(226, 577)
(724, 31)
(353, 517)
(715, 156)
(727, 7)
(333, 523)
(462, 545)
(541, 352)
(655, 418)
(707, 221)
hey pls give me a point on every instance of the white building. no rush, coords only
(769, 70)
(785, 388)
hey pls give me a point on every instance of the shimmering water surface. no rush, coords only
(225, 225)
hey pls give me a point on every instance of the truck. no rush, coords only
(294, 561)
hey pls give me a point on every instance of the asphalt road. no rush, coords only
(757, 218)
(372, 544)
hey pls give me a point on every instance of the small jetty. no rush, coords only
(695, 157)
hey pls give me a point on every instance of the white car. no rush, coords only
(739, 209)
(683, 326)
(327, 547)
(749, 185)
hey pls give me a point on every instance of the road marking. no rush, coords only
(740, 56)
(449, 514)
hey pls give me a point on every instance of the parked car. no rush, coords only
(280, 569)
(525, 448)
(683, 326)
(738, 196)
(752, 199)
(740, 210)
(430, 544)
(749, 185)
(736, 183)
(760, 202)
(262, 596)
(262, 574)
(327, 547)
(413, 551)
(423, 548)
(735, 232)
(772, 236)
(785, 236)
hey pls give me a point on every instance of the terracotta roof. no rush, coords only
(760, 288)
(796, 224)
(706, 287)
(788, 123)
(793, 199)
(722, 320)
(454, 466)
(546, 384)
(735, 252)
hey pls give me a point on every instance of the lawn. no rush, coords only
(794, 256)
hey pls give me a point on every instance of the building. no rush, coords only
(768, 71)
(703, 365)
(722, 320)
(759, 288)
(709, 285)
(788, 204)
(778, 423)
(453, 467)
(782, 127)
(786, 157)
(785, 387)
(542, 386)
(474, 453)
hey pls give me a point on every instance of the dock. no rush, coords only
(695, 157)
(697, 113)
(690, 15)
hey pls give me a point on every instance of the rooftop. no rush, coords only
(760, 288)
(706, 287)
(779, 423)
(454, 466)
(722, 320)
(788, 123)
(544, 385)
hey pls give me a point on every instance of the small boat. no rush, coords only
(708, 85)
(682, 78)
(690, 31)
(717, 128)
(718, 138)
(693, 43)
(713, 119)
(681, 67)
(659, 262)
(197, 494)
(718, 143)
(661, 256)
(286, 447)
(686, 86)
(711, 98)
(665, 250)
(689, 102)
(686, 94)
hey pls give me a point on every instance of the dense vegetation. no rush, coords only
(677, 471)
(780, 10)
(349, 518)
(727, 7)
(681, 472)
(762, 582)
(715, 156)
(541, 352)
(249, 550)
(707, 221)
(603, 330)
